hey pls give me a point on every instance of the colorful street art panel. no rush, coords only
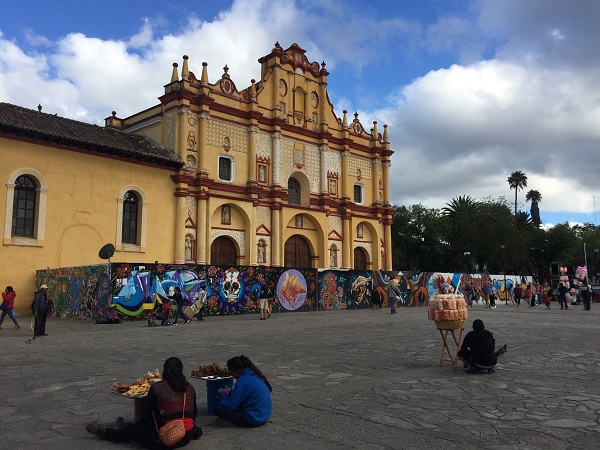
(345, 289)
(82, 292)
(140, 289)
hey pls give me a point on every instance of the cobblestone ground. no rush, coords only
(346, 379)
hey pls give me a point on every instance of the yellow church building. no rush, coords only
(213, 174)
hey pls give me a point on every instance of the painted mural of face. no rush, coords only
(232, 285)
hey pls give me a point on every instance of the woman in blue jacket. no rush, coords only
(248, 403)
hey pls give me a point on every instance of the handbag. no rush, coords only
(173, 431)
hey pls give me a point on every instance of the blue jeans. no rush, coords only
(10, 313)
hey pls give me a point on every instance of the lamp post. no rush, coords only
(467, 255)
(503, 247)
(596, 250)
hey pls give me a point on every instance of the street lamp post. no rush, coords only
(503, 247)
(596, 250)
(467, 255)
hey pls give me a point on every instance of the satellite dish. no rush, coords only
(107, 251)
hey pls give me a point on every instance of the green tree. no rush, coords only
(535, 198)
(516, 181)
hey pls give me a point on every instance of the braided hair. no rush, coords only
(239, 363)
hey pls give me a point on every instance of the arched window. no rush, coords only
(24, 207)
(130, 218)
(294, 192)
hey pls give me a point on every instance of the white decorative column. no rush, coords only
(324, 149)
(276, 156)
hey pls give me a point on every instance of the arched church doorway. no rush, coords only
(297, 253)
(360, 259)
(223, 252)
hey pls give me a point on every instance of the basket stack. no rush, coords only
(449, 311)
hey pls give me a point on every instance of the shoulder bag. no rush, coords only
(173, 431)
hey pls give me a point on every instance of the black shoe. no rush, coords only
(120, 423)
(44, 334)
(474, 370)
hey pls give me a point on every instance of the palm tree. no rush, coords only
(516, 181)
(462, 213)
(534, 197)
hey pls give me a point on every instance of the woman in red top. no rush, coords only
(8, 305)
(165, 402)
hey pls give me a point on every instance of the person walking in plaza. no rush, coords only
(264, 301)
(586, 296)
(167, 400)
(178, 298)
(562, 296)
(201, 303)
(517, 292)
(393, 292)
(40, 311)
(486, 290)
(528, 295)
(248, 403)
(7, 306)
(477, 351)
(467, 290)
(493, 297)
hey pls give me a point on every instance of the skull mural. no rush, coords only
(232, 286)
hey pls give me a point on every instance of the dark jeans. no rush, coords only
(144, 433)
(236, 416)
(180, 313)
(562, 299)
(40, 322)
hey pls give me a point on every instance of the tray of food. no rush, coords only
(139, 388)
(210, 372)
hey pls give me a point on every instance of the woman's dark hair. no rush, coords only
(173, 374)
(9, 288)
(239, 363)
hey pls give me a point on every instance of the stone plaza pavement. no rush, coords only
(341, 380)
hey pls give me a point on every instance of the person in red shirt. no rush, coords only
(8, 305)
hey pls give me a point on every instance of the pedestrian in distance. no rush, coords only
(586, 296)
(40, 311)
(518, 292)
(264, 301)
(8, 305)
(178, 298)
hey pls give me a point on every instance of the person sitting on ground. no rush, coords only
(248, 403)
(477, 350)
(164, 403)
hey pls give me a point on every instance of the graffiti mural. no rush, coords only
(78, 292)
(140, 288)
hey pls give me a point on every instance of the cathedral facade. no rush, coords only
(213, 174)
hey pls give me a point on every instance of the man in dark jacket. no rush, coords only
(179, 300)
(477, 350)
(40, 310)
(586, 295)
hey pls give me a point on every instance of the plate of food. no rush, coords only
(139, 388)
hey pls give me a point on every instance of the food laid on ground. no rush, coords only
(447, 309)
(210, 370)
(139, 387)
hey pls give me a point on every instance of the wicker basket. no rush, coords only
(450, 324)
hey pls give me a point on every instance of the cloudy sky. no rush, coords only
(471, 90)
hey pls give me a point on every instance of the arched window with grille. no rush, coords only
(130, 218)
(294, 192)
(24, 207)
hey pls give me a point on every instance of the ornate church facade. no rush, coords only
(213, 174)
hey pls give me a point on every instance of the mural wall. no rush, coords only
(82, 292)
(139, 290)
